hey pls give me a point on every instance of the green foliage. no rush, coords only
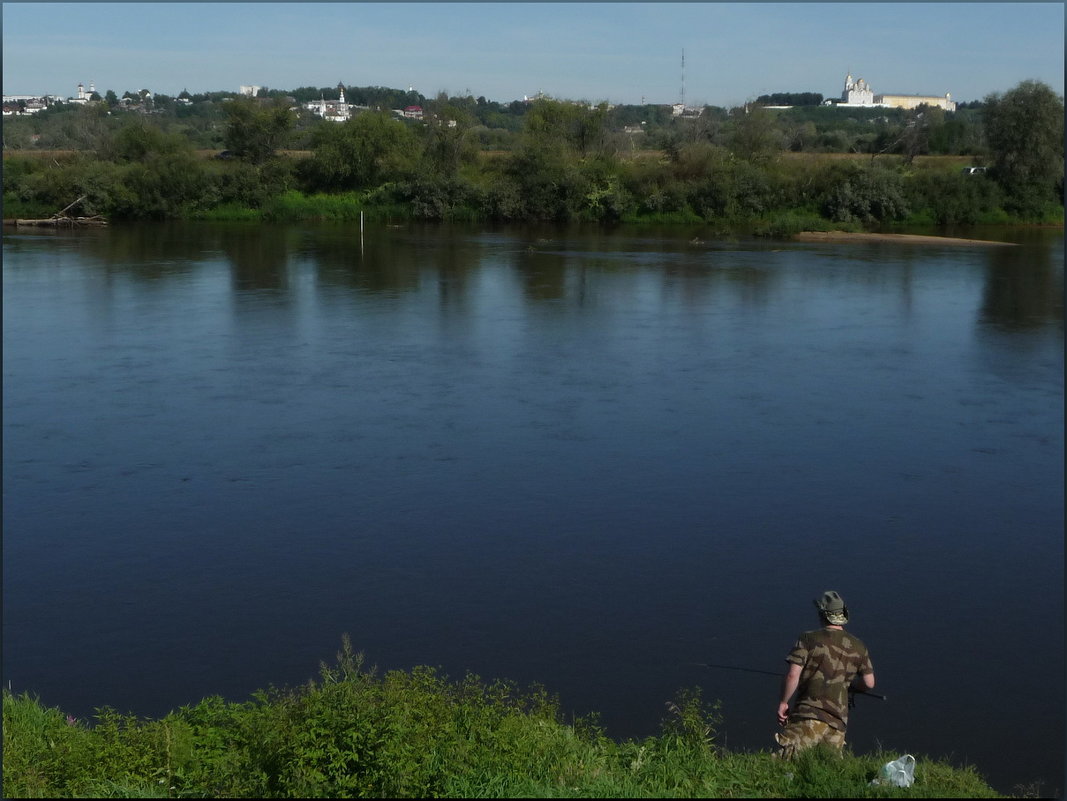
(295, 205)
(788, 223)
(573, 127)
(255, 130)
(439, 197)
(564, 165)
(365, 152)
(1024, 128)
(953, 198)
(865, 194)
(447, 140)
(791, 99)
(415, 734)
(754, 136)
(139, 140)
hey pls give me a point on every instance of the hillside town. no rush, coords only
(857, 93)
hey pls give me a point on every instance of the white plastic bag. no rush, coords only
(898, 773)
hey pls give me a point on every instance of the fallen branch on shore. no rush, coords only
(60, 222)
(62, 219)
(918, 239)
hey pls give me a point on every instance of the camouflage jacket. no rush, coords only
(829, 660)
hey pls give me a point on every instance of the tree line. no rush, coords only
(804, 127)
(563, 161)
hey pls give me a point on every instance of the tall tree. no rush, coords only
(254, 130)
(1024, 131)
(755, 137)
(363, 153)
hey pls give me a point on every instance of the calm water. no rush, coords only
(583, 459)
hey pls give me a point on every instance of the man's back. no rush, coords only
(829, 659)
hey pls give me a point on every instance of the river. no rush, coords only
(580, 457)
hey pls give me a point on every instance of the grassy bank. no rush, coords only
(415, 734)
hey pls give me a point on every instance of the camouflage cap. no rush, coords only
(832, 607)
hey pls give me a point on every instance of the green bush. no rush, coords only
(953, 198)
(866, 194)
(415, 734)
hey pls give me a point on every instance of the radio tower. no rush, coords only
(681, 94)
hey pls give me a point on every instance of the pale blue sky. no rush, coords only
(619, 52)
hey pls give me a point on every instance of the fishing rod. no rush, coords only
(779, 675)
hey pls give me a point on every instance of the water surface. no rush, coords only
(581, 458)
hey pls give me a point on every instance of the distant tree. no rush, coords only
(576, 127)
(139, 141)
(754, 136)
(790, 99)
(111, 98)
(913, 137)
(799, 135)
(254, 131)
(447, 141)
(363, 153)
(1024, 130)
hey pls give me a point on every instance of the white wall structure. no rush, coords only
(858, 92)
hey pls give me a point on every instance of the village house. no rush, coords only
(20, 105)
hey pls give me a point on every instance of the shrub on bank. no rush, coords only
(701, 183)
(414, 735)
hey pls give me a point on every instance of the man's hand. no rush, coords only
(783, 713)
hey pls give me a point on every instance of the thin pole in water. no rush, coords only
(361, 232)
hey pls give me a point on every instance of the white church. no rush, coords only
(333, 110)
(858, 92)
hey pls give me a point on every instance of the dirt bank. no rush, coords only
(917, 239)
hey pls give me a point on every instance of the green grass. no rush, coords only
(228, 212)
(787, 223)
(416, 734)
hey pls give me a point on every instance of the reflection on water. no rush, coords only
(585, 458)
(1028, 295)
(1022, 288)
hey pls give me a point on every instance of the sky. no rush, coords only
(630, 52)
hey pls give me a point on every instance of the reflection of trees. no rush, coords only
(146, 250)
(1023, 288)
(393, 259)
(384, 262)
(455, 257)
(699, 282)
(543, 275)
(259, 255)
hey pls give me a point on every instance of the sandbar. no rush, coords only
(917, 239)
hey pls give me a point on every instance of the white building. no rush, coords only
(250, 91)
(859, 93)
(18, 105)
(333, 110)
(83, 96)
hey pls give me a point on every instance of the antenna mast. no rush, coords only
(681, 95)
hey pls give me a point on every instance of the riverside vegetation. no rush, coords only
(774, 171)
(415, 734)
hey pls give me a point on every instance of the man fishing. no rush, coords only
(824, 666)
